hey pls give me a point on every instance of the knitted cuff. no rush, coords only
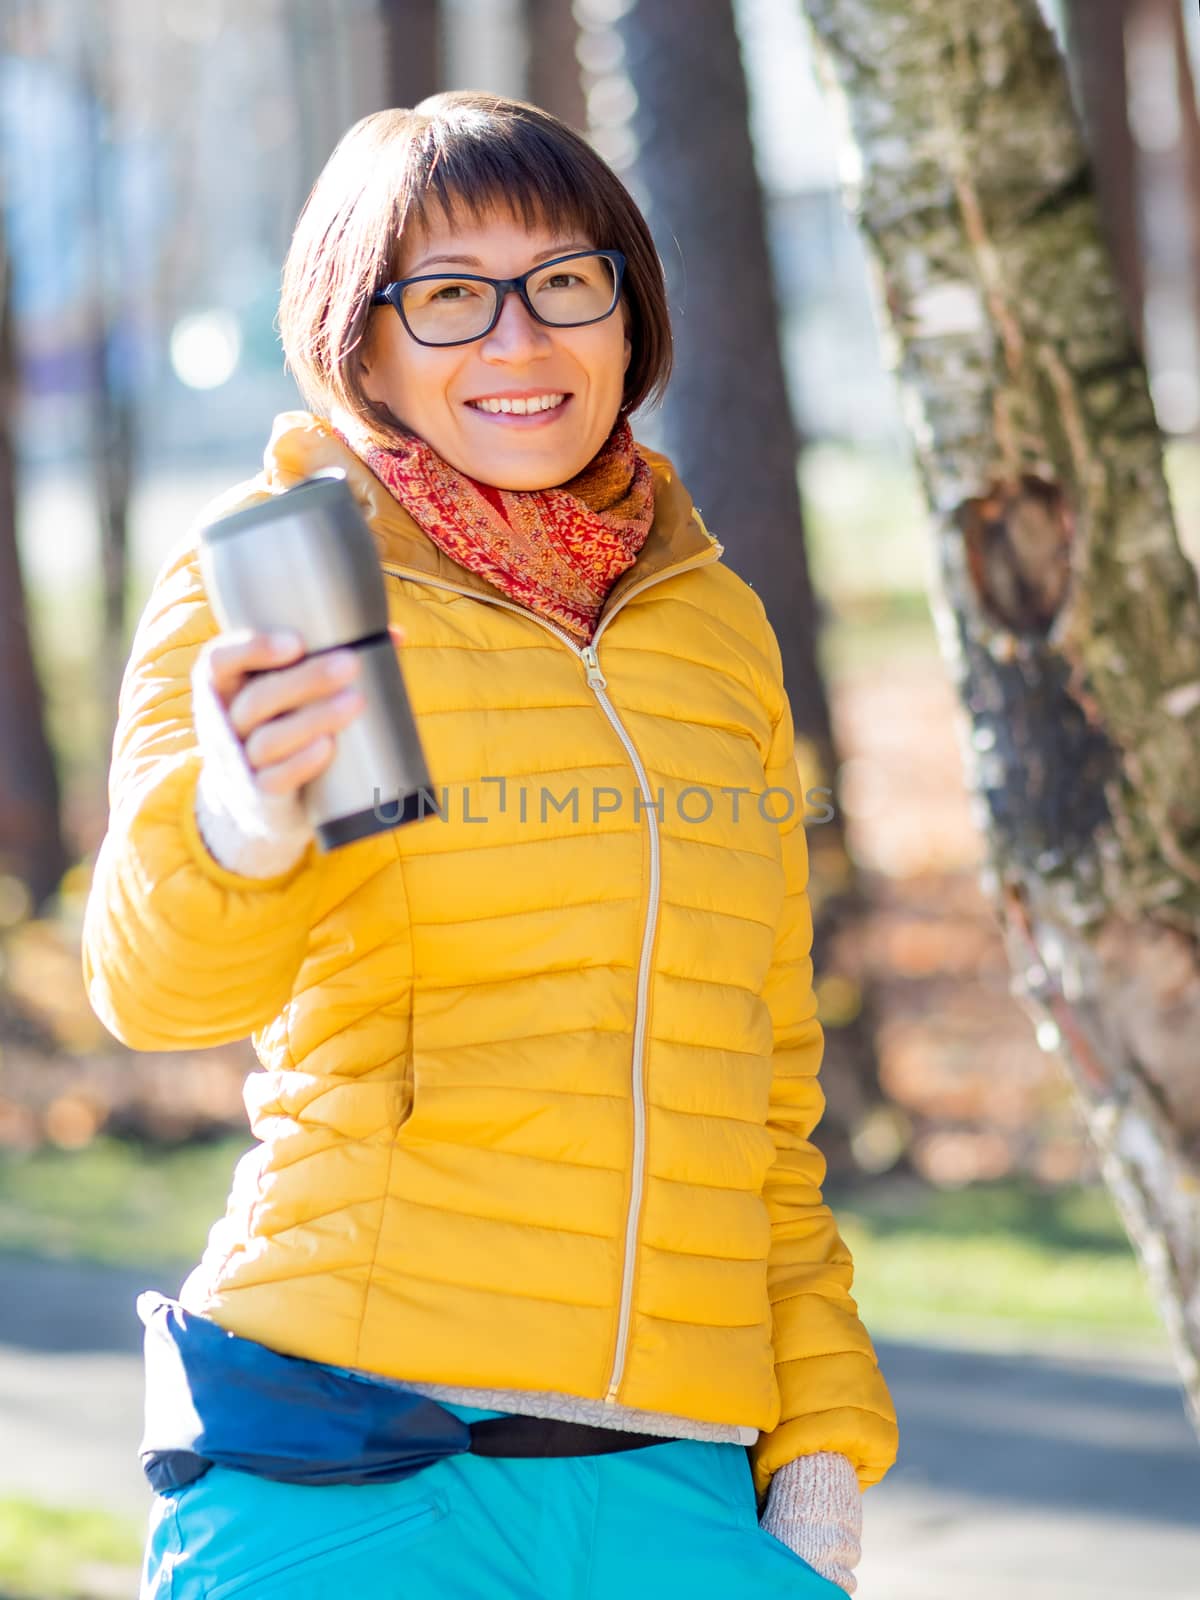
(258, 835)
(814, 1506)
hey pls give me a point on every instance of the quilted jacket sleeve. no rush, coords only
(178, 951)
(833, 1396)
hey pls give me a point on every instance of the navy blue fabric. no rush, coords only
(215, 1399)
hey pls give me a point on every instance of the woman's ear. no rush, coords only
(364, 350)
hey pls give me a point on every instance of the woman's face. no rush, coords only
(434, 391)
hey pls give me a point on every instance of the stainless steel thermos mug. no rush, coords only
(306, 559)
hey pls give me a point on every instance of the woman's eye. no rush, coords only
(561, 280)
(451, 291)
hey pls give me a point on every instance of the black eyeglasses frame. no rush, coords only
(393, 294)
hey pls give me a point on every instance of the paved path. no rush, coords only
(1021, 1477)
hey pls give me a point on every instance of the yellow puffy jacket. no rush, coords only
(539, 1074)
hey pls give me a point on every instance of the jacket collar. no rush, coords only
(302, 443)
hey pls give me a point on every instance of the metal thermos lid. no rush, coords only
(326, 490)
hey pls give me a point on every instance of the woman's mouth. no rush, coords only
(521, 410)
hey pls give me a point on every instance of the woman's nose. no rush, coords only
(517, 336)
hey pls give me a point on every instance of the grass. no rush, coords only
(116, 1202)
(48, 1552)
(1003, 1261)
(1008, 1258)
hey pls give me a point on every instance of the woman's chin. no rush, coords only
(526, 468)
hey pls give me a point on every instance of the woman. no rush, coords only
(539, 1073)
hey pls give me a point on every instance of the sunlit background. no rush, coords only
(154, 160)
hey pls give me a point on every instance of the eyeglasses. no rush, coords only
(440, 310)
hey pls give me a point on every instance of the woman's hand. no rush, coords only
(265, 729)
(285, 716)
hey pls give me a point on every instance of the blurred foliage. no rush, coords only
(115, 1201)
(996, 1258)
(50, 1553)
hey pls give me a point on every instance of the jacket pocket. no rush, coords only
(339, 1560)
(819, 1584)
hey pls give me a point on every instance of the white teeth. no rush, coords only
(521, 408)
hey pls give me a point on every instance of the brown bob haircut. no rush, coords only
(466, 154)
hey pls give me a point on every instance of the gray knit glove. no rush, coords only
(814, 1506)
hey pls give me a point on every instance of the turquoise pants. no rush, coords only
(676, 1519)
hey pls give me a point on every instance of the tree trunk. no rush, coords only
(31, 843)
(1096, 40)
(555, 81)
(412, 33)
(1067, 612)
(111, 419)
(1189, 102)
(727, 421)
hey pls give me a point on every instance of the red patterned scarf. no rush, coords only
(558, 551)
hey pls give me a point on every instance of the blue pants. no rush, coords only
(675, 1519)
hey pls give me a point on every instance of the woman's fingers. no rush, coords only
(292, 734)
(280, 690)
(282, 777)
(284, 706)
(232, 656)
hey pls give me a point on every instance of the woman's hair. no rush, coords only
(463, 153)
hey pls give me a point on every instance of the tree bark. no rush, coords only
(727, 420)
(1067, 612)
(31, 842)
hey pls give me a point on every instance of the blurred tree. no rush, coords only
(414, 66)
(1167, 130)
(1189, 100)
(31, 843)
(1096, 40)
(728, 427)
(555, 81)
(111, 409)
(1068, 613)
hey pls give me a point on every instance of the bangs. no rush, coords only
(462, 173)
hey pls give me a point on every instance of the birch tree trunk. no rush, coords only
(1067, 612)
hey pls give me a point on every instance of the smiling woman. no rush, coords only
(469, 393)
(535, 1176)
(464, 182)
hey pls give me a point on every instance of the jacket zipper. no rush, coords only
(597, 682)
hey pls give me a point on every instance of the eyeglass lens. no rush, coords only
(566, 293)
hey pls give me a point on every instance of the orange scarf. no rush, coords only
(557, 551)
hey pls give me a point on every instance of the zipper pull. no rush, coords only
(595, 678)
